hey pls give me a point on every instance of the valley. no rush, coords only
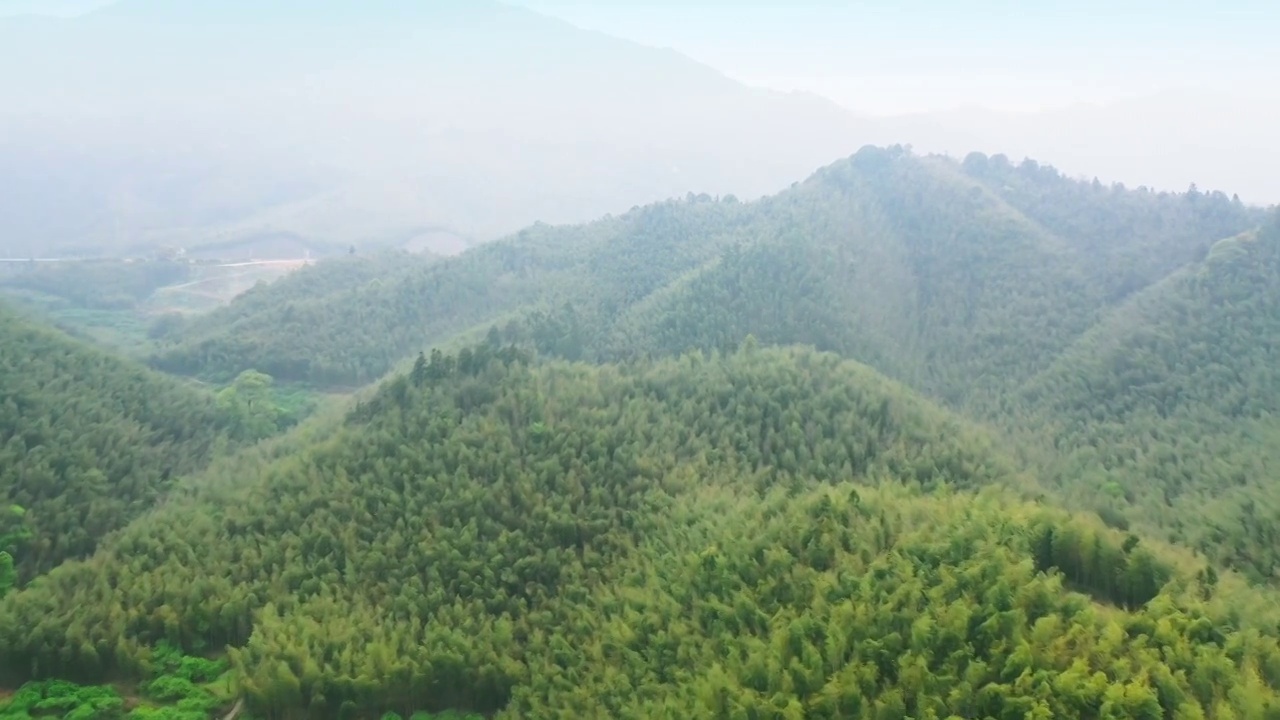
(917, 437)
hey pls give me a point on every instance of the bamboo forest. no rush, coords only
(560, 360)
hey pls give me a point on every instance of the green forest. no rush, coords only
(916, 438)
(90, 441)
(937, 274)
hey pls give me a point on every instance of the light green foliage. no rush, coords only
(626, 502)
(171, 694)
(167, 712)
(183, 680)
(119, 331)
(768, 532)
(61, 699)
(250, 402)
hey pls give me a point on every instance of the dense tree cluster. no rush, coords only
(1132, 238)
(1168, 412)
(13, 532)
(354, 336)
(766, 533)
(958, 281)
(626, 502)
(89, 441)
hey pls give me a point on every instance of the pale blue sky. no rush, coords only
(887, 56)
(1154, 92)
(883, 56)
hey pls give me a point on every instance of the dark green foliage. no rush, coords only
(295, 331)
(932, 277)
(702, 525)
(88, 441)
(703, 536)
(1169, 411)
(961, 283)
(8, 573)
(1124, 574)
(13, 533)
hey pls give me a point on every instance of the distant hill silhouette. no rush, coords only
(345, 121)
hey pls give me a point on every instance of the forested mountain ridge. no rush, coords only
(89, 441)
(962, 289)
(927, 268)
(353, 336)
(1166, 412)
(769, 532)
(693, 523)
(326, 280)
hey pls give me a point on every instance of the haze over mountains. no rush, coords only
(441, 124)
(624, 500)
(366, 123)
(909, 436)
(1222, 139)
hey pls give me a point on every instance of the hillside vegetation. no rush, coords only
(916, 438)
(356, 334)
(769, 533)
(923, 267)
(88, 441)
(1168, 412)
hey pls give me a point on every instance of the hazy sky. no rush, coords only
(895, 56)
(902, 56)
(1125, 83)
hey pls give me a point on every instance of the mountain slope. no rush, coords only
(1166, 412)
(930, 273)
(671, 539)
(88, 441)
(341, 123)
(961, 288)
(354, 336)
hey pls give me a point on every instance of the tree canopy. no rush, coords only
(89, 441)
(916, 438)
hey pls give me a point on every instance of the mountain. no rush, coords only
(769, 532)
(1054, 310)
(1020, 470)
(369, 124)
(89, 442)
(1166, 412)
(960, 278)
(354, 336)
